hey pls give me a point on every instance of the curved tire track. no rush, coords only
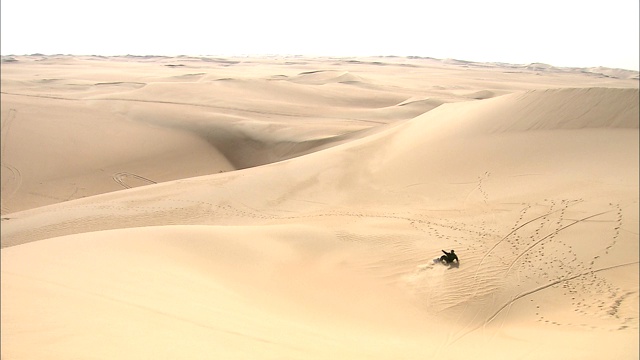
(11, 186)
(535, 290)
(555, 232)
(5, 130)
(475, 276)
(542, 287)
(121, 176)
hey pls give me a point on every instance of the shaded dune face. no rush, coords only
(265, 208)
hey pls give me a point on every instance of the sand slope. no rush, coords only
(316, 240)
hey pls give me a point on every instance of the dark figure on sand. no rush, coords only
(449, 257)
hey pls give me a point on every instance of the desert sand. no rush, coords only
(292, 208)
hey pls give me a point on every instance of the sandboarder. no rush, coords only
(448, 258)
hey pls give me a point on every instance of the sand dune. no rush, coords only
(272, 208)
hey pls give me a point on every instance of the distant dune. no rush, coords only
(197, 208)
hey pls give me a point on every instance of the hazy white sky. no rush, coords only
(558, 32)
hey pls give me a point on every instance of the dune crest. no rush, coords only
(572, 109)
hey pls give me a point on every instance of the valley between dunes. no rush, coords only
(292, 208)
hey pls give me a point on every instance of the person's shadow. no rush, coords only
(453, 265)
